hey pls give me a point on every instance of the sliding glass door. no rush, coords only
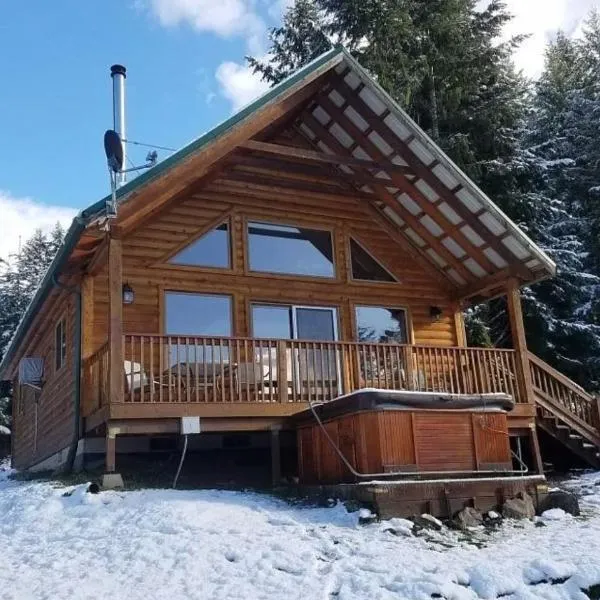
(312, 365)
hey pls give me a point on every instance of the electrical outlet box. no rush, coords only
(190, 425)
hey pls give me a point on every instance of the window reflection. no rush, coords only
(210, 250)
(378, 324)
(189, 314)
(365, 267)
(291, 250)
(197, 314)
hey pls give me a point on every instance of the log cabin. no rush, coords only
(316, 248)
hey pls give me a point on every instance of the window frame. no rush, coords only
(410, 341)
(163, 309)
(352, 238)
(62, 323)
(165, 260)
(336, 277)
(291, 305)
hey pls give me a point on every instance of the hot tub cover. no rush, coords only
(371, 399)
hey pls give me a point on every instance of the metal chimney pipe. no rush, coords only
(118, 74)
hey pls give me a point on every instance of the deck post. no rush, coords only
(282, 374)
(275, 456)
(110, 479)
(525, 383)
(515, 315)
(115, 320)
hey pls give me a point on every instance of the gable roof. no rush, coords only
(409, 179)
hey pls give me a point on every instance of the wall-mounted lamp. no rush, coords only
(128, 294)
(435, 312)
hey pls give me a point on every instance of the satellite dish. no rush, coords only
(113, 148)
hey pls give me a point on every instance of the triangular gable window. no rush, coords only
(365, 267)
(209, 250)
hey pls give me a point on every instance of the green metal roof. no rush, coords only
(81, 221)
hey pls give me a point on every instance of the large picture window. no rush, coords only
(290, 250)
(197, 314)
(381, 325)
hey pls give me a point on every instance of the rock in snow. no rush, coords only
(561, 499)
(468, 518)
(214, 545)
(519, 507)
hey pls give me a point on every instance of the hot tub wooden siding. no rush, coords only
(407, 441)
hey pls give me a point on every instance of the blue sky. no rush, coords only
(185, 74)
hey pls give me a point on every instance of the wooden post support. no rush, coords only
(275, 457)
(515, 315)
(111, 449)
(459, 325)
(115, 320)
(282, 374)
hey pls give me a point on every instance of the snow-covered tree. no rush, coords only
(20, 276)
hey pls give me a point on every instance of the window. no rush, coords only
(197, 314)
(378, 324)
(209, 250)
(280, 321)
(365, 267)
(290, 250)
(60, 345)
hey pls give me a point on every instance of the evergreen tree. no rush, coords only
(20, 276)
(534, 151)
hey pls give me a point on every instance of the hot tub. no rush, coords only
(389, 434)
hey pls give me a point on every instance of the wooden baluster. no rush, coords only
(222, 369)
(408, 367)
(230, 369)
(187, 369)
(196, 371)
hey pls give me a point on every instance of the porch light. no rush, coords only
(435, 312)
(128, 294)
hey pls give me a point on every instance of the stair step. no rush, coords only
(560, 426)
(575, 436)
(588, 446)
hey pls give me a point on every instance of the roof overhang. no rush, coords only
(345, 114)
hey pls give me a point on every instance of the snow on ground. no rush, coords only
(154, 544)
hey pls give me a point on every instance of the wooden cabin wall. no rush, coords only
(147, 249)
(43, 421)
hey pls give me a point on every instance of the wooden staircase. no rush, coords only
(566, 411)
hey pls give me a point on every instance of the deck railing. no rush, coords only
(563, 397)
(215, 369)
(94, 378)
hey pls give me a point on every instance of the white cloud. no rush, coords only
(542, 19)
(225, 18)
(239, 84)
(22, 216)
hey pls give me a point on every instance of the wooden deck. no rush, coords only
(219, 371)
(165, 377)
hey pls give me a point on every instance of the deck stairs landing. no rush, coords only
(566, 411)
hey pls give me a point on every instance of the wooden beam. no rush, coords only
(87, 314)
(389, 200)
(420, 169)
(408, 187)
(115, 320)
(100, 258)
(301, 154)
(275, 456)
(517, 329)
(486, 285)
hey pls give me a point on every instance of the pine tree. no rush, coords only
(20, 276)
